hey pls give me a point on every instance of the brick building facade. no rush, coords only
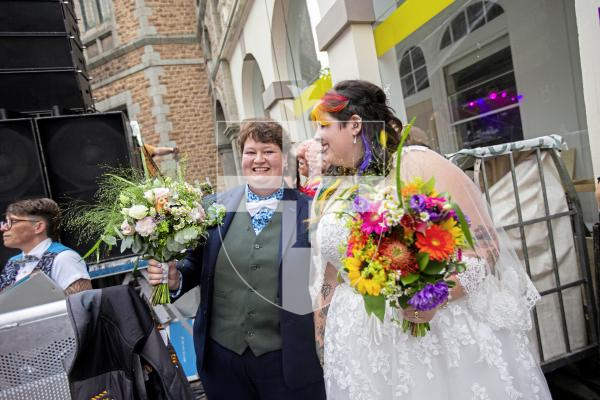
(145, 58)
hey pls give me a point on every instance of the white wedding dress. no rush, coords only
(476, 348)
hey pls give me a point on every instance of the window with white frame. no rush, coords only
(470, 19)
(303, 65)
(96, 24)
(413, 72)
(94, 12)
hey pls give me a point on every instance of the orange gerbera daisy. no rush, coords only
(436, 242)
(410, 189)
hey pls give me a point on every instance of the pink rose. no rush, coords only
(145, 226)
(198, 214)
(126, 228)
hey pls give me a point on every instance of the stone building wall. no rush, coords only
(155, 71)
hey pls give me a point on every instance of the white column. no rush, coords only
(345, 31)
(588, 27)
(352, 55)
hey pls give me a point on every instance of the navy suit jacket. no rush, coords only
(301, 365)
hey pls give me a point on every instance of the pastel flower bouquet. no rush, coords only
(405, 243)
(158, 218)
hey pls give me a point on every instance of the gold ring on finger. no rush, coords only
(416, 315)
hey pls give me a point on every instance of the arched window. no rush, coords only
(253, 87)
(470, 19)
(303, 64)
(413, 72)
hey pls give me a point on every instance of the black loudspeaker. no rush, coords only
(41, 57)
(38, 90)
(40, 52)
(77, 150)
(27, 16)
(21, 169)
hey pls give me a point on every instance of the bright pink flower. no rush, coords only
(431, 202)
(373, 221)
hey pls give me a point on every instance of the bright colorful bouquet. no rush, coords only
(404, 246)
(158, 217)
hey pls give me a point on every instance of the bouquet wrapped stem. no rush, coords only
(415, 329)
(161, 293)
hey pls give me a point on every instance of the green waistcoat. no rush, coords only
(239, 316)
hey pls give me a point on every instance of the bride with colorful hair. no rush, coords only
(477, 347)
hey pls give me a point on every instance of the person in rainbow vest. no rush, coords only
(30, 226)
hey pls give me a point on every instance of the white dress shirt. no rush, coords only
(68, 266)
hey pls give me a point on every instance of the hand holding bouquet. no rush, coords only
(404, 246)
(159, 218)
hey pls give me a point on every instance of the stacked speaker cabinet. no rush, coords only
(62, 158)
(41, 57)
(21, 172)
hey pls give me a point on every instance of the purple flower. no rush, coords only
(430, 296)
(417, 202)
(435, 216)
(360, 204)
(452, 214)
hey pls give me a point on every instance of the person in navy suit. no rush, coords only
(254, 331)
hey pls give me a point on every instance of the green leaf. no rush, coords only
(403, 301)
(433, 279)
(399, 157)
(375, 305)
(137, 245)
(422, 260)
(463, 224)
(429, 185)
(126, 243)
(109, 240)
(435, 267)
(94, 249)
(408, 279)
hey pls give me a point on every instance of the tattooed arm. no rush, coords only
(320, 315)
(78, 286)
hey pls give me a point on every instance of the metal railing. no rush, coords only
(543, 216)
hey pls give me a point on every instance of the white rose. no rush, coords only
(138, 211)
(149, 195)
(197, 214)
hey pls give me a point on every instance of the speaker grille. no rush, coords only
(20, 168)
(77, 151)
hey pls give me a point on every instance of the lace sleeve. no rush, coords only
(472, 278)
(500, 302)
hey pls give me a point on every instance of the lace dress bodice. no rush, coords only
(330, 233)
